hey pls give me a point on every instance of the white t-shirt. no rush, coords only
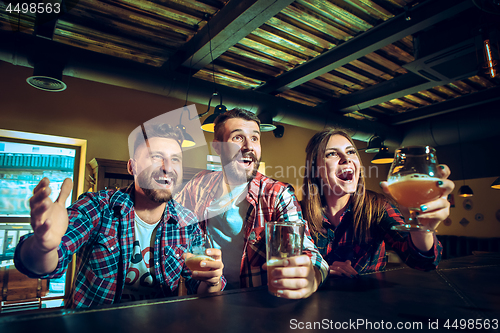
(225, 224)
(140, 282)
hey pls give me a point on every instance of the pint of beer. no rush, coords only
(283, 240)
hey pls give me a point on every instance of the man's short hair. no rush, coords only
(147, 132)
(234, 113)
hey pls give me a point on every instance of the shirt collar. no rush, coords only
(122, 200)
(254, 185)
(348, 210)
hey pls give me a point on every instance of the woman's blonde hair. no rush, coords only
(367, 206)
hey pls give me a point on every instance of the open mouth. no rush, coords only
(246, 161)
(346, 175)
(164, 179)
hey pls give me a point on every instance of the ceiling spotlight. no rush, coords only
(47, 76)
(374, 145)
(279, 131)
(266, 122)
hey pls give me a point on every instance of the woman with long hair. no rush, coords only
(350, 224)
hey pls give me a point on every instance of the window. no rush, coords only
(25, 158)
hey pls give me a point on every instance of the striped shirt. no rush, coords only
(371, 256)
(270, 200)
(101, 233)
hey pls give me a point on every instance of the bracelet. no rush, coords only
(212, 284)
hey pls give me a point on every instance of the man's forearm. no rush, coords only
(35, 260)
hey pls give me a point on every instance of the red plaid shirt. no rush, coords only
(269, 200)
(371, 256)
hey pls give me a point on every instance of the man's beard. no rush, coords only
(234, 173)
(150, 187)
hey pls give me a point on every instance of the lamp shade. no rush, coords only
(496, 184)
(47, 76)
(208, 124)
(374, 145)
(266, 122)
(188, 139)
(465, 191)
(383, 156)
(267, 127)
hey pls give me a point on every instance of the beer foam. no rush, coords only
(412, 177)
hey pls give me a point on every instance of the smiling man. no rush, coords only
(130, 243)
(235, 203)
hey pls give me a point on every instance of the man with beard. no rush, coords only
(235, 203)
(130, 243)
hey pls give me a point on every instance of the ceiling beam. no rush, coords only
(422, 17)
(398, 87)
(467, 101)
(235, 21)
(92, 66)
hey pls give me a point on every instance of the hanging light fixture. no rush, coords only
(188, 139)
(383, 156)
(464, 191)
(47, 76)
(208, 124)
(490, 36)
(490, 56)
(374, 145)
(496, 184)
(48, 64)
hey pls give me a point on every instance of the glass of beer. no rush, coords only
(199, 251)
(412, 181)
(283, 240)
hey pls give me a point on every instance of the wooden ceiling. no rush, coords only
(390, 61)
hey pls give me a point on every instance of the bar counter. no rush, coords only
(462, 295)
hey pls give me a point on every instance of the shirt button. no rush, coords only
(157, 263)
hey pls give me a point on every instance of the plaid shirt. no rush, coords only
(371, 256)
(101, 233)
(269, 200)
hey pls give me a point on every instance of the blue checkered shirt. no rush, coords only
(101, 233)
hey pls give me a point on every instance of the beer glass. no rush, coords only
(284, 239)
(193, 262)
(412, 181)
